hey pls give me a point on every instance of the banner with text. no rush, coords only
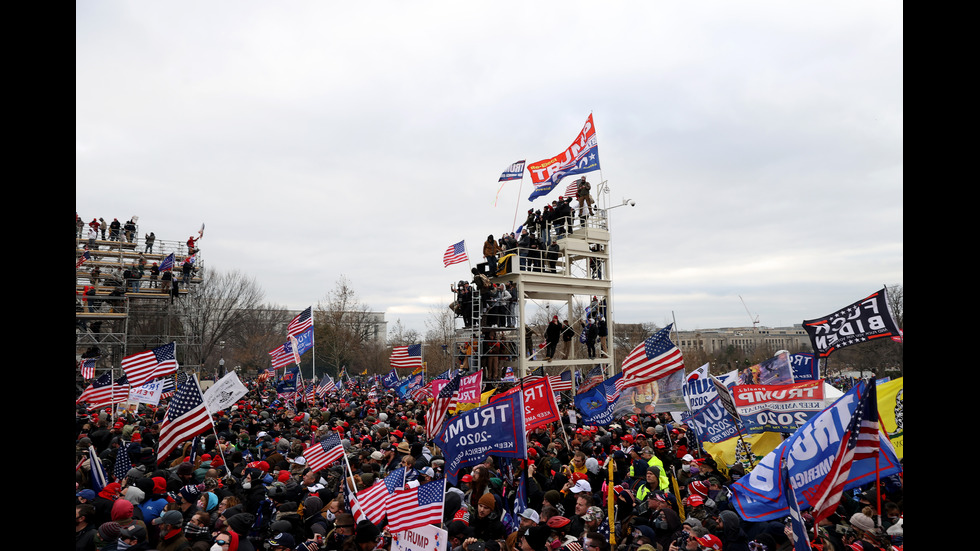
(867, 319)
(782, 408)
(495, 429)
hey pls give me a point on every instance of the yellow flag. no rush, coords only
(730, 451)
(484, 398)
(890, 410)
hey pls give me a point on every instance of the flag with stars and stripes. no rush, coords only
(168, 263)
(172, 383)
(322, 454)
(82, 259)
(326, 386)
(88, 367)
(149, 365)
(122, 464)
(654, 358)
(561, 383)
(403, 357)
(371, 503)
(861, 441)
(609, 386)
(186, 417)
(455, 254)
(436, 413)
(301, 323)
(416, 507)
(105, 392)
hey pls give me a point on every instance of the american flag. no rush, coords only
(455, 254)
(310, 395)
(301, 323)
(592, 378)
(326, 386)
(81, 259)
(168, 263)
(88, 367)
(421, 394)
(354, 505)
(654, 358)
(186, 417)
(122, 464)
(416, 507)
(104, 392)
(436, 413)
(395, 480)
(561, 383)
(372, 502)
(323, 453)
(609, 387)
(861, 441)
(172, 383)
(146, 366)
(572, 189)
(406, 357)
(282, 356)
(266, 375)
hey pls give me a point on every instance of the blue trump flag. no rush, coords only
(495, 429)
(390, 380)
(411, 383)
(808, 456)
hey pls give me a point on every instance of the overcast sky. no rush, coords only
(761, 141)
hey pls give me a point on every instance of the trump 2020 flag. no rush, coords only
(495, 429)
(513, 172)
(580, 157)
(867, 319)
(816, 453)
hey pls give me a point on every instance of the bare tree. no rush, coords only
(440, 335)
(217, 308)
(259, 331)
(399, 335)
(344, 330)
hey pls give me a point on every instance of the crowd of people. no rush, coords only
(141, 275)
(246, 485)
(536, 244)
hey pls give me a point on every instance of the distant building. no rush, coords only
(712, 341)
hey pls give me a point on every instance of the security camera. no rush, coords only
(632, 203)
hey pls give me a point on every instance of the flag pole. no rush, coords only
(517, 205)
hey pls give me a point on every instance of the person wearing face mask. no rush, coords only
(198, 529)
(226, 541)
(132, 538)
(343, 529)
(689, 470)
